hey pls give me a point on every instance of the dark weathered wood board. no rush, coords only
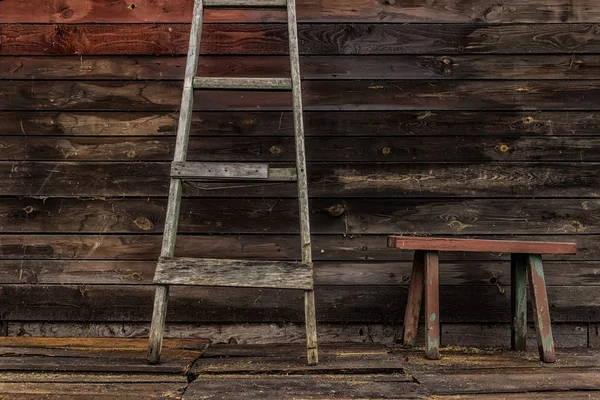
(510, 11)
(501, 66)
(330, 386)
(565, 335)
(337, 273)
(95, 355)
(382, 38)
(508, 381)
(323, 123)
(328, 95)
(285, 359)
(325, 149)
(278, 247)
(98, 179)
(336, 304)
(279, 216)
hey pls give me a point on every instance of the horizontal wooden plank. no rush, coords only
(330, 386)
(480, 245)
(332, 273)
(280, 216)
(282, 149)
(215, 333)
(516, 382)
(233, 273)
(565, 335)
(317, 95)
(146, 11)
(324, 180)
(85, 391)
(365, 304)
(227, 83)
(133, 377)
(219, 170)
(333, 123)
(276, 247)
(172, 39)
(412, 66)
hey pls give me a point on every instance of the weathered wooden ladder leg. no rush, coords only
(415, 297)
(518, 278)
(432, 305)
(541, 313)
(309, 295)
(172, 216)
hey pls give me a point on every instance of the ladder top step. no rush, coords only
(233, 273)
(230, 171)
(245, 3)
(243, 83)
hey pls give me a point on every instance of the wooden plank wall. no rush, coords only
(468, 118)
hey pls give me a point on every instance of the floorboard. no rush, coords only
(94, 368)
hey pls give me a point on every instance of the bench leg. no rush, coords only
(157, 328)
(432, 305)
(415, 297)
(541, 313)
(518, 283)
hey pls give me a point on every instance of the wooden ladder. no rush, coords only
(234, 273)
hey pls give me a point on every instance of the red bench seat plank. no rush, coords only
(480, 245)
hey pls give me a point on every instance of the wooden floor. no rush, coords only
(191, 369)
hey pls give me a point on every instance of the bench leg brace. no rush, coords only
(432, 305)
(415, 297)
(541, 313)
(518, 277)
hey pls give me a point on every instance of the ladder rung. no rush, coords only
(228, 171)
(245, 3)
(236, 273)
(243, 83)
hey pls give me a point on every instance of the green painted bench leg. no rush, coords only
(541, 313)
(432, 305)
(518, 273)
(415, 297)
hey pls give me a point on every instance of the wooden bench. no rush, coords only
(526, 260)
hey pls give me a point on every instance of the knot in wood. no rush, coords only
(336, 210)
(386, 150)
(275, 150)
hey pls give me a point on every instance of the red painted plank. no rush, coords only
(169, 11)
(481, 245)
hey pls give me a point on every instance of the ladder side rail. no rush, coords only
(310, 317)
(175, 188)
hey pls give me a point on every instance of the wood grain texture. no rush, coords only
(233, 273)
(516, 382)
(330, 386)
(171, 39)
(281, 149)
(322, 123)
(332, 273)
(481, 245)
(500, 66)
(280, 247)
(339, 304)
(317, 95)
(324, 180)
(280, 216)
(146, 11)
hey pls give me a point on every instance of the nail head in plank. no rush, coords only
(481, 245)
(234, 273)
